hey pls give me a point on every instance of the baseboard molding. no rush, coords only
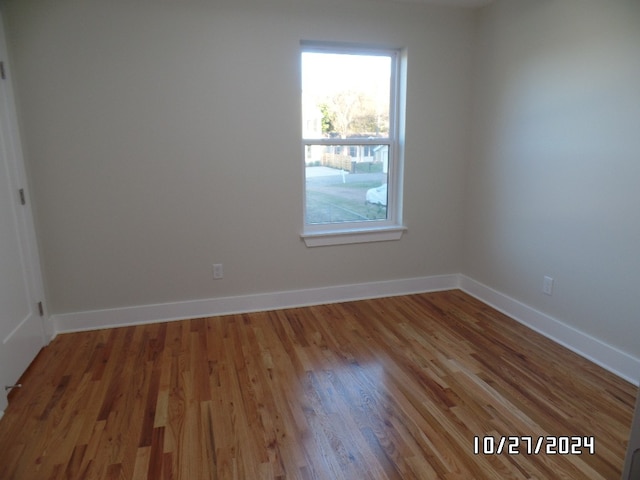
(616, 361)
(118, 317)
(608, 357)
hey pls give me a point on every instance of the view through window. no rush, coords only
(348, 106)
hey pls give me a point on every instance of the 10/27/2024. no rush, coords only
(529, 445)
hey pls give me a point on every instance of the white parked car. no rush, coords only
(377, 195)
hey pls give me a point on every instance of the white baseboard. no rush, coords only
(608, 357)
(616, 361)
(117, 317)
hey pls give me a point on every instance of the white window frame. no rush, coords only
(374, 230)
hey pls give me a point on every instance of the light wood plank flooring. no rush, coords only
(392, 388)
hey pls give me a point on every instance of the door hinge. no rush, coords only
(3, 75)
(23, 199)
(41, 309)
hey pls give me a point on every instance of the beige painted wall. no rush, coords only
(554, 174)
(163, 136)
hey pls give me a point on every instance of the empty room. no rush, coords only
(319, 239)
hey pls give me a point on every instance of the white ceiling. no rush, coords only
(451, 3)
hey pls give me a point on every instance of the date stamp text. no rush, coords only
(529, 445)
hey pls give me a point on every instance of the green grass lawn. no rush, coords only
(333, 206)
(340, 197)
(368, 167)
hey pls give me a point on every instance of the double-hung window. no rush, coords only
(351, 150)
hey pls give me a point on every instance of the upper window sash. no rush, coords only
(394, 94)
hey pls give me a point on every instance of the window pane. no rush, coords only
(345, 95)
(346, 183)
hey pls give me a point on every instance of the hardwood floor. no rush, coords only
(393, 388)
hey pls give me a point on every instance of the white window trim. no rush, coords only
(315, 235)
(359, 235)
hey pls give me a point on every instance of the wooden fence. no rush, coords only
(335, 160)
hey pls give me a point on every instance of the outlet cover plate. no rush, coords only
(218, 272)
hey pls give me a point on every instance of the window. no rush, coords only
(350, 136)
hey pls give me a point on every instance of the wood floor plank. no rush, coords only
(393, 388)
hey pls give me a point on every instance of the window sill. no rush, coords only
(345, 237)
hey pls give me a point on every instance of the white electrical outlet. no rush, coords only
(547, 285)
(217, 271)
